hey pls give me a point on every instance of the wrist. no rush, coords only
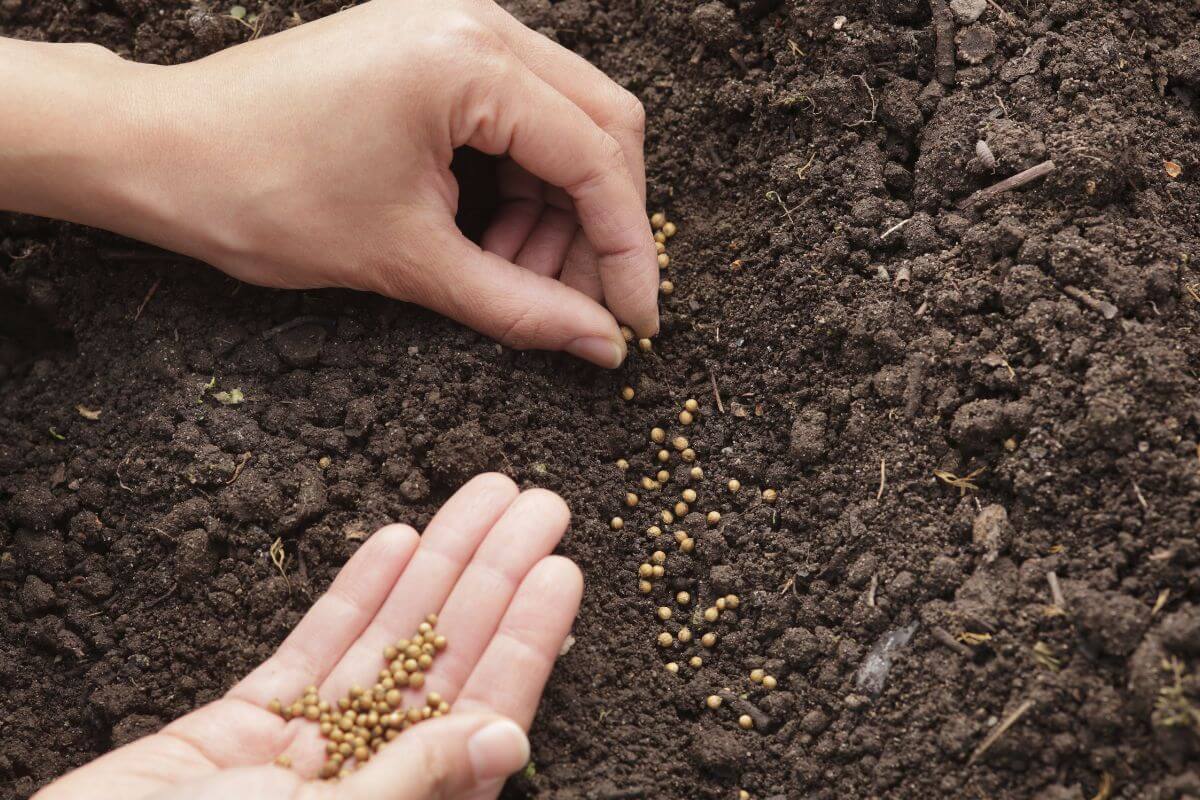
(77, 148)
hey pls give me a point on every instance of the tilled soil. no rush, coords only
(865, 332)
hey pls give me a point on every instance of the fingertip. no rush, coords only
(563, 573)
(491, 483)
(548, 505)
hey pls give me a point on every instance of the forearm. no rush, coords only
(70, 132)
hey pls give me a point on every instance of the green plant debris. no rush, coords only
(233, 397)
(238, 12)
(530, 771)
(1173, 708)
(56, 434)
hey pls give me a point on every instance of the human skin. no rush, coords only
(320, 157)
(505, 606)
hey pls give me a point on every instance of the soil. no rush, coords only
(1040, 350)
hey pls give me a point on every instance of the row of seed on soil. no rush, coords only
(364, 720)
(666, 449)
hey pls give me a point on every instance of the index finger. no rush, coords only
(517, 112)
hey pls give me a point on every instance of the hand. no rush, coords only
(320, 156)
(506, 606)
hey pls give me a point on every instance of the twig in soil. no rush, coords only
(999, 731)
(279, 559)
(944, 638)
(146, 299)
(964, 484)
(882, 478)
(1056, 592)
(943, 47)
(762, 721)
(1008, 184)
(716, 391)
(801, 170)
(1161, 601)
(1141, 499)
(237, 471)
(895, 228)
(158, 600)
(1101, 307)
(903, 278)
(871, 589)
(1004, 15)
(874, 105)
(774, 195)
(1104, 790)
(1194, 291)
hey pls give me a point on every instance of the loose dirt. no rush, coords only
(1039, 350)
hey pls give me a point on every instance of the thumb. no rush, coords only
(441, 758)
(516, 306)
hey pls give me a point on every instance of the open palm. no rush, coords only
(505, 606)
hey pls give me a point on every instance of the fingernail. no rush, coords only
(598, 350)
(498, 750)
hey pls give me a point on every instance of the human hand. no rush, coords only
(320, 156)
(506, 607)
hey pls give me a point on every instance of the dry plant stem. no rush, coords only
(1101, 307)
(943, 636)
(999, 731)
(1008, 184)
(1056, 591)
(943, 31)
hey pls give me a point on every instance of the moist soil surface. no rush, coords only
(1025, 625)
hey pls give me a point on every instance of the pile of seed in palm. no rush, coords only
(363, 721)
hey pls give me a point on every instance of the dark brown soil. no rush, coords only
(1046, 342)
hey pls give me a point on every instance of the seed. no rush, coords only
(691, 405)
(664, 260)
(756, 675)
(743, 794)
(617, 523)
(657, 220)
(680, 536)
(645, 571)
(667, 288)
(645, 587)
(696, 472)
(659, 247)
(648, 483)
(654, 530)
(679, 443)
(439, 642)
(683, 598)
(324, 462)
(660, 237)
(668, 229)
(735, 485)
(658, 570)
(631, 499)
(283, 761)
(713, 701)
(627, 333)
(663, 476)
(658, 435)
(709, 639)
(685, 418)
(622, 464)
(688, 495)
(688, 455)
(711, 614)
(275, 707)
(664, 456)
(694, 662)
(685, 634)
(687, 545)
(658, 557)
(664, 613)
(667, 517)
(416, 680)
(645, 345)
(769, 682)
(681, 509)
(770, 495)
(312, 713)
(745, 722)
(713, 517)
(627, 393)
(672, 667)
(665, 639)
(732, 601)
